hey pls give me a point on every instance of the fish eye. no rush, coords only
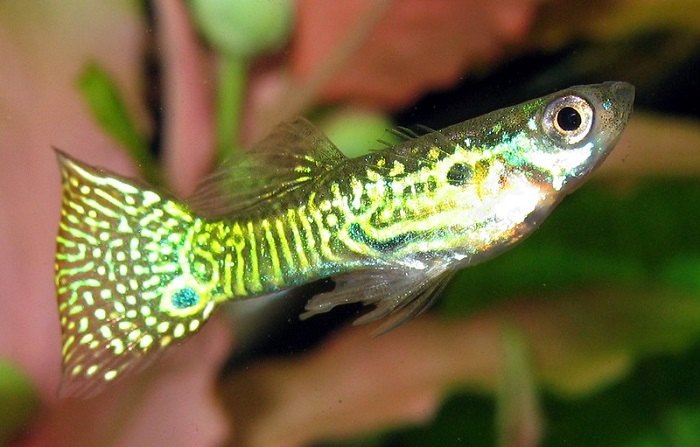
(568, 120)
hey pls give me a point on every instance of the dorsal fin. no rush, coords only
(294, 153)
(402, 134)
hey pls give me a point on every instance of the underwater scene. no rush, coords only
(377, 223)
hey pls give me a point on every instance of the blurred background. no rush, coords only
(585, 334)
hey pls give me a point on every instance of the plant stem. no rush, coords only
(232, 72)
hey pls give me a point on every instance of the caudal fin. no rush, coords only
(124, 284)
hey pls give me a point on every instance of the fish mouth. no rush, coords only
(623, 92)
(622, 95)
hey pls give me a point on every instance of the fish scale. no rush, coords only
(138, 270)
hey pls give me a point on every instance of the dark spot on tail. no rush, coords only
(185, 298)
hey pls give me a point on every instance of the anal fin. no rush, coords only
(397, 294)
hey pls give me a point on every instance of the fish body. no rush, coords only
(138, 270)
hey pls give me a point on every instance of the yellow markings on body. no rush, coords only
(150, 218)
(79, 209)
(69, 341)
(211, 263)
(134, 335)
(149, 295)
(238, 242)
(173, 238)
(146, 341)
(119, 307)
(104, 195)
(357, 192)
(228, 267)
(286, 251)
(69, 243)
(78, 234)
(373, 175)
(216, 246)
(177, 211)
(255, 284)
(106, 331)
(397, 169)
(179, 330)
(331, 220)
(134, 249)
(93, 223)
(322, 231)
(208, 309)
(109, 212)
(152, 281)
(117, 345)
(298, 245)
(83, 324)
(149, 198)
(91, 370)
(310, 240)
(277, 277)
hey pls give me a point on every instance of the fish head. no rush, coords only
(572, 131)
(523, 160)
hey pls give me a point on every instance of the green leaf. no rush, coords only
(244, 28)
(102, 96)
(19, 401)
(464, 420)
(232, 75)
(656, 406)
(356, 132)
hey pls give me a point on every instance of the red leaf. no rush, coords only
(415, 46)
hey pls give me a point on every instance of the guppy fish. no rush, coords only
(138, 270)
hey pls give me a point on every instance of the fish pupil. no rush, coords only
(185, 298)
(569, 119)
